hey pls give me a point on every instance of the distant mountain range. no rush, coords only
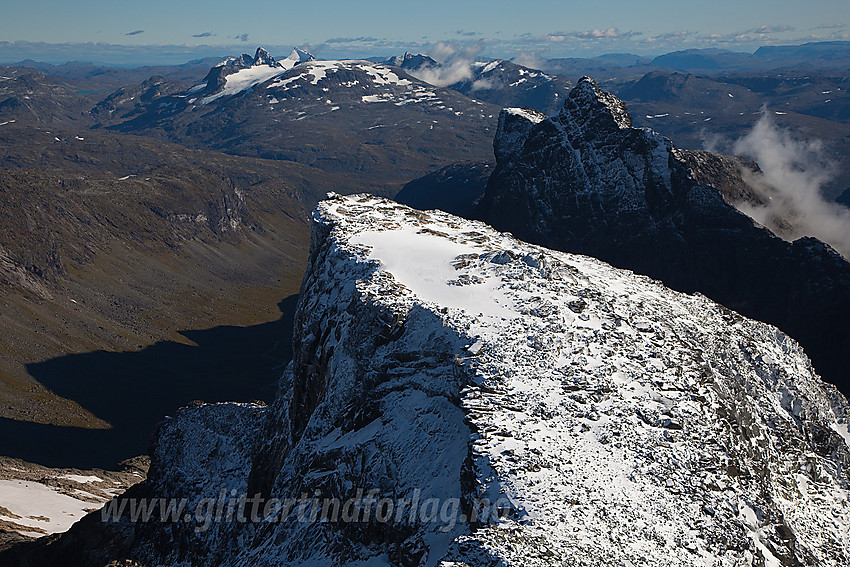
(695, 97)
(340, 116)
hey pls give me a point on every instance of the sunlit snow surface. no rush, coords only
(629, 423)
(245, 79)
(35, 505)
(432, 276)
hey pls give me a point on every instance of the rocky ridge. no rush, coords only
(624, 422)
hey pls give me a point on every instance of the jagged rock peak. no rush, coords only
(242, 61)
(263, 57)
(585, 181)
(587, 101)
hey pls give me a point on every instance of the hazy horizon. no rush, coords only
(170, 33)
(118, 55)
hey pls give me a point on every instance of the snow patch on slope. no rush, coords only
(243, 80)
(40, 507)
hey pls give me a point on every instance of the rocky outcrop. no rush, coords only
(411, 62)
(437, 360)
(585, 181)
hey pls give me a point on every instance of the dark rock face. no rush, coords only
(585, 181)
(724, 173)
(455, 189)
(411, 62)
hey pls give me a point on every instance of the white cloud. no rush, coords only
(794, 172)
(455, 60)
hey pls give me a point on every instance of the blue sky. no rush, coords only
(176, 31)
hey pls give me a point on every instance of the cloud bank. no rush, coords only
(793, 173)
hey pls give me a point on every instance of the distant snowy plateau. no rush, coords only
(629, 424)
(281, 80)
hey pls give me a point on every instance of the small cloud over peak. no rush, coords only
(204, 34)
(530, 59)
(135, 32)
(241, 37)
(456, 60)
(793, 173)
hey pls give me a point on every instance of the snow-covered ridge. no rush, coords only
(627, 423)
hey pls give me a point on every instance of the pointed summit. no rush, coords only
(296, 57)
(263, 57)
(588, 103)
(300, 56)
